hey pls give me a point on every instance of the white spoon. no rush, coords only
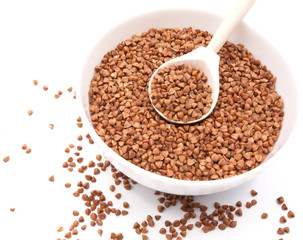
(207, 59)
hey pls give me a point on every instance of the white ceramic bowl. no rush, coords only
(255, 43)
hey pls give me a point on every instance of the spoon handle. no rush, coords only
(230, 22)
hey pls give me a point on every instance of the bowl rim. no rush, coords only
(180, 182)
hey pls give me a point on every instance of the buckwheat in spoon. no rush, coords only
(185, 90)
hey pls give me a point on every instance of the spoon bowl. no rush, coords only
(204, 59)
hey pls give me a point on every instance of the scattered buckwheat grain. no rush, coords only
(280, 200)
(60, 229)
(30, 112)
(290, 214)
(253, 192)
(283, 219)
(6, 159)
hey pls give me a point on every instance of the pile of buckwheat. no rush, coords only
(180, 93)
(235, 138)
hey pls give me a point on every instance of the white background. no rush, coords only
(49, 41)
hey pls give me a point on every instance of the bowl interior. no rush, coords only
(253, 41)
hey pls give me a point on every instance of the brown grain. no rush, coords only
(222, 226)
(30, 112)
(284, 207)
(253, 192)
(118, 195)
(75, 213)
(124, 212)
(239, 204)
(253, 202)
(112, 188)
(239, 212)
(51, 178)
(68, 235)
(233, 224)
(75, 223)
(60, 229)
(81, 219)
(145, 237)
(280, 231)
(283, 219)
(248, 205)
(100, 232)
(290, 214)
(280, 200)
(98, 157)
(6, 159)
